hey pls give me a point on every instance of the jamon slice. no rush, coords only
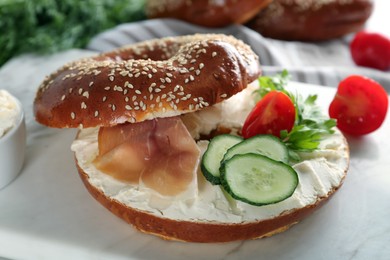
(159, 154)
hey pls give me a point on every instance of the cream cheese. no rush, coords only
(319, 173)
(9, 111)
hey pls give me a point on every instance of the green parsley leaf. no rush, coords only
(311, 125)
(47, 26)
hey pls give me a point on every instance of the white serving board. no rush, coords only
(46, 213)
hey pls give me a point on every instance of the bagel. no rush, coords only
(311, 20)
(212, 216)
(222, 88)
(206, 13)
(146, 80)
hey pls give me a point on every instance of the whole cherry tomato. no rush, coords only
(273, 113)
(359, 106)
(371, 50)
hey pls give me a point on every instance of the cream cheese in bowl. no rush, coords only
(9, 112)
(12, 138)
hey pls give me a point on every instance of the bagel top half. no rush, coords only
(152, 79)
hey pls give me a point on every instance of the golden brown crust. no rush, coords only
(311, 20)
(157, 78)
(208, 13)
(204, 232)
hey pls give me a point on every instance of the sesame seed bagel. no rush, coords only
(311, 20)
(156, 78)
(208, 13)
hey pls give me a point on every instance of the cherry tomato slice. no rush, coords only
(273, 113)
(359, 106)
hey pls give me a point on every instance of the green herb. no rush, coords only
(310, 123)
(47, 26)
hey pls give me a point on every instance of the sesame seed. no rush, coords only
(118, 88)
(73, 115)
(127, 107)
(192, 78)
(132, 120)
(138, 92)
(223, 95)
(201, 66)
(113, 107)
(111, 78)
(168, 80)
(86, 94)
(91, 83)
(63, 97)
(213, 54)
(124, 73)
(107, 88)
(104, 99)
(96, 113)
(83, 105)
(80, 91)
(197, 72)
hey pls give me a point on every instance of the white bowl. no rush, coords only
(12, 150)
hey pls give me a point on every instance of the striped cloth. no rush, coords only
(323, 64)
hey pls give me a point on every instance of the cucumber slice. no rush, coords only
(257, 179)
(267, 145)
(211, 160)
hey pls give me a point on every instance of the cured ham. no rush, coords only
(159, 154)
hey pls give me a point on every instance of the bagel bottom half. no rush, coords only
(204, 232)
(212, 215)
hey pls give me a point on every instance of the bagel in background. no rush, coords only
(205, 12)
(311, 20)
(125, 87)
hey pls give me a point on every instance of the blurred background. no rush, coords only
(47, 26)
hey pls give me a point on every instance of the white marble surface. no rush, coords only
(46, 213)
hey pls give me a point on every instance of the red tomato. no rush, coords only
(359, 106)
(273, 113)
(371, 50)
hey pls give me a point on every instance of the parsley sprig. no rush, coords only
(311, 125)
(47, 26)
